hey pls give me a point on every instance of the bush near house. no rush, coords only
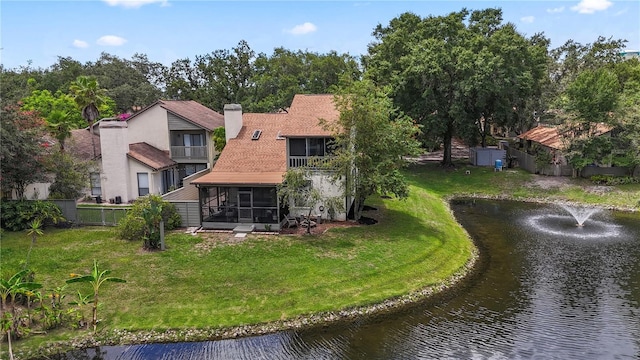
(614, 180)
(18, 215)
(136, 226)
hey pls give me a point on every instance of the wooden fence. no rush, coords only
(528, 162)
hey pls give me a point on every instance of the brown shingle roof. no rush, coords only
(551, 136)
(306, 111)
(547, 136)
(194, 112)
(79, 144)
(245, 161)
(264, 161)
(150, 156)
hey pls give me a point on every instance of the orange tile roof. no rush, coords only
(264, 161)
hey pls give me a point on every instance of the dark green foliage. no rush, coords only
(22, 150)
(219, 139)
(458, 75)
(71, 177)
(18, 215)
(611, 180)
(141, 222)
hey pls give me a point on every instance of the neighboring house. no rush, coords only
(150, 152)
(241, 189)
(553, 140)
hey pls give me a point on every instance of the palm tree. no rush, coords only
(34, 230)
(60, 126)
(88, 96)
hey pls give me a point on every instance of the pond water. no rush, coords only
(545, 289)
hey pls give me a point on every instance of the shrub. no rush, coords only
(134, 225)
(18, 215)
(611, 180)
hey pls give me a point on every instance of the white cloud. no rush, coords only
(591, 6)
(302, 29)
(556, 10)
(134, 4)
(111, 40)
(527, 19)
(80, 44)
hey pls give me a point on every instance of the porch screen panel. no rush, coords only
(265, 197)
(298, 147)
(316, 147)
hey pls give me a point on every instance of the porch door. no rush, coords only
(187, 145)
(245, 215)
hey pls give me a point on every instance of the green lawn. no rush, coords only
(416, 244)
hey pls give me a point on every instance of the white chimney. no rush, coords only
(114, 144)
(232, 120)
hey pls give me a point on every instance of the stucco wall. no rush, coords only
(323, 183)
(115, 168)
(151, 127)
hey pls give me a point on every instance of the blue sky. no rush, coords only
(167, 30)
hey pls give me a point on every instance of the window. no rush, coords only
(94, 179)
(143, 184)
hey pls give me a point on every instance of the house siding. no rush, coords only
(177, 123)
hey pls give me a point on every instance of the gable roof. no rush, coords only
(244, 161)
(79, 144)
(306, 111)
(194, 112)
(552, 137)
(545, 135)
(189, 110)
(150, 156)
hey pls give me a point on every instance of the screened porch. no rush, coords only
(225, 207)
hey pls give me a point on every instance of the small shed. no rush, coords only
(480, 156)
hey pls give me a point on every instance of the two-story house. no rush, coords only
(241, 189)
(153, 150)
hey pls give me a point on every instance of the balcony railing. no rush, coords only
(189, 152)
(314, 162)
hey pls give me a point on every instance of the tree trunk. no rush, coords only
(446, 157)
(95, 312)
(10, 348)
(93, 142)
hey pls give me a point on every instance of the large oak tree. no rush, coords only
(457, 74)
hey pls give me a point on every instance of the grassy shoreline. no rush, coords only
(266, 284)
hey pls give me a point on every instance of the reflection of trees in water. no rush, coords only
(83, 354)
(536, 295)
